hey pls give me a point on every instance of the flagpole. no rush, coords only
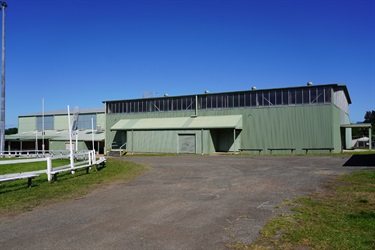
(2, 116)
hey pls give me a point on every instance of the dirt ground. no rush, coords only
(183, 202)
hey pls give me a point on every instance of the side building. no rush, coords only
(50, 131)
(281, 121)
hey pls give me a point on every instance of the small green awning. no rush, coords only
(199, 122)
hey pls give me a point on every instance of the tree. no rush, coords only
(11, 131)
(370, 118)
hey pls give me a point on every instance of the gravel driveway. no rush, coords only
(183, 202)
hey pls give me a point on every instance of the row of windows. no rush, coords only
(84, 122)
(168, 104)
(311, 95)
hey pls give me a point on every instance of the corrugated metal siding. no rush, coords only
(61, 122)
(26, 124)
(165, 141)
(285, 127)
(206, 143)
(57, 145)
(341, 101)
(111, 119)
(293, 127)
(336, 130)
(200, 122)
(60, 145)
(278, 127)
(348, 132)
(100, 120)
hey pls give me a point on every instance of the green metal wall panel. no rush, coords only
(100, 120)
(61, 145)
(344, 118)
(284, 127)
(111, 119)
(161, 141)
(61, 122)
(26, 124)
(206, 145)
(272, 127)
(57, 145)
(336, 130)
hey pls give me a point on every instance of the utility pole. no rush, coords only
(2, 116)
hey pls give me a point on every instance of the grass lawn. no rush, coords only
(15, 197)
(342, 217)
(30, 166)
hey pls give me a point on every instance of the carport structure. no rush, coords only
(360, 125)
(54, 140)
(194, 134)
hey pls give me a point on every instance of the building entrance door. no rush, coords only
(186, 144)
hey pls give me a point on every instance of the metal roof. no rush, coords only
(358, 125)
(65, 112)
(333, 85)
(56, 135)
(199, 122)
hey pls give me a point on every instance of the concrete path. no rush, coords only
(183, 202)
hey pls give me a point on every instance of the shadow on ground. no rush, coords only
(361, 161)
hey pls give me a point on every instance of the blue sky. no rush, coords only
(82, 52)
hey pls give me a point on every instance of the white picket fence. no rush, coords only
(88, 159)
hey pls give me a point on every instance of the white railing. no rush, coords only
(25, 153)
(40, 153)
(88, 159)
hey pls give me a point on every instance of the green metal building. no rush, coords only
(283, 121)
(51, 130)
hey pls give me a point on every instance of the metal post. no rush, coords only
(89, 154)
(196, 105)
(2, 117)
(76, 140)
(49, 168)
(70, 143)
(202, 141)
(370, 138)
(234, 141)
(132, 142)
(92, 133)
(36, 142)
(43, 146)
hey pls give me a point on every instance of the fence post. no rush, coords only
(49, 168)
(89, 155)
(94, 156)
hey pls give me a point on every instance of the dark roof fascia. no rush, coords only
(343, 87)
